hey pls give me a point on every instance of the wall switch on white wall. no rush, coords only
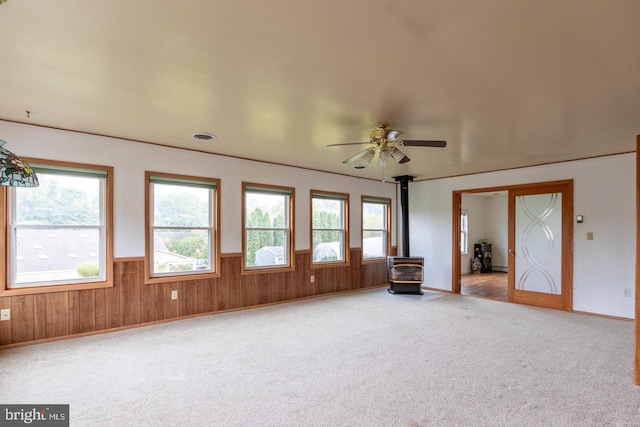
(626, 292)
(5, 314)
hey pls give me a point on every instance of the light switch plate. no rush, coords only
(5, 314)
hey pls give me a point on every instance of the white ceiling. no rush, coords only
(507, 83)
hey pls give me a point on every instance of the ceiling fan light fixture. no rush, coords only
(369, 156)
(386, 144)
(398, 155)
(383, 158)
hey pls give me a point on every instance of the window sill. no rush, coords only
(180, 278)
(32, 290)
(318, 265)
(267, 270)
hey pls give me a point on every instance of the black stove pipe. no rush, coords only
(404, 205)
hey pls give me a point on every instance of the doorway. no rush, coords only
(484, 241)
(539, 255)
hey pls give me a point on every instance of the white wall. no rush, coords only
(497, 230)
(130, 160)
(604, 192)
(475, 207)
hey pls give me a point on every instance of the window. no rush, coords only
(268, 227)
(59, 233)
(464, 233)
(329, 231)
(376, 227)
(182, 224)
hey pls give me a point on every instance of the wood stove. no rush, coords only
(406, 274)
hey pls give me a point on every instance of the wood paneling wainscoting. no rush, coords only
(130, 302)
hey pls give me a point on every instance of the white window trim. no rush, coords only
(464, 229)
(213, 185)
(105, 258)
(386, 231)
(344, 231)
(288, 229)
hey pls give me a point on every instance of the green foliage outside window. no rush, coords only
(183, 206)
(88, 269)
(331, 222)
(194, 245)
(60, 203)
(257, 239)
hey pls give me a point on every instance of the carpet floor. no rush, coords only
(359, 359)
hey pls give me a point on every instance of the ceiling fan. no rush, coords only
(386, 144)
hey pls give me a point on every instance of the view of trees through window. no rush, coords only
(374, 230)
(266, 227)
(56, 228)
(327, 223)
(181, 227)
(59, 200)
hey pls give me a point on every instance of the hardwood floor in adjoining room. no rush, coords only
(484, 285)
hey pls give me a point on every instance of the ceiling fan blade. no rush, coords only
(358, 156)
(438, 144)
(348, 143)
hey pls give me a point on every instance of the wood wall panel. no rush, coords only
(191, 302)
(130, 293)
(222, 296)
(277, 287)
(112, 307)
(183, 299)
(74, 312)
(100, 313)
(39, 316)
(87, 303)
(57, 314)
(264, 288)
(148, 305)
(6, 335)
(203, 303)
(131, 302)
(22, 319)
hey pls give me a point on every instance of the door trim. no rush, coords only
(564, 300)
(567, 258)
(636, 370)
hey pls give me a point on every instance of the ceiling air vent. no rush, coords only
(201, 136)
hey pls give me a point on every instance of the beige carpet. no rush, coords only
(360, 359)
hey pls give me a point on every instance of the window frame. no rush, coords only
(464, 231)
(386, 231)
(214, 227)
(328, 195)
(250, 187)
(7, 195)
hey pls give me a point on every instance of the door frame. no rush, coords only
(636, 363)
(567, 253)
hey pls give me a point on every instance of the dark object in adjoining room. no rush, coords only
(406, 274)
(482, 252)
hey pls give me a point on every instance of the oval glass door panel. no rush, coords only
(538, 243)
